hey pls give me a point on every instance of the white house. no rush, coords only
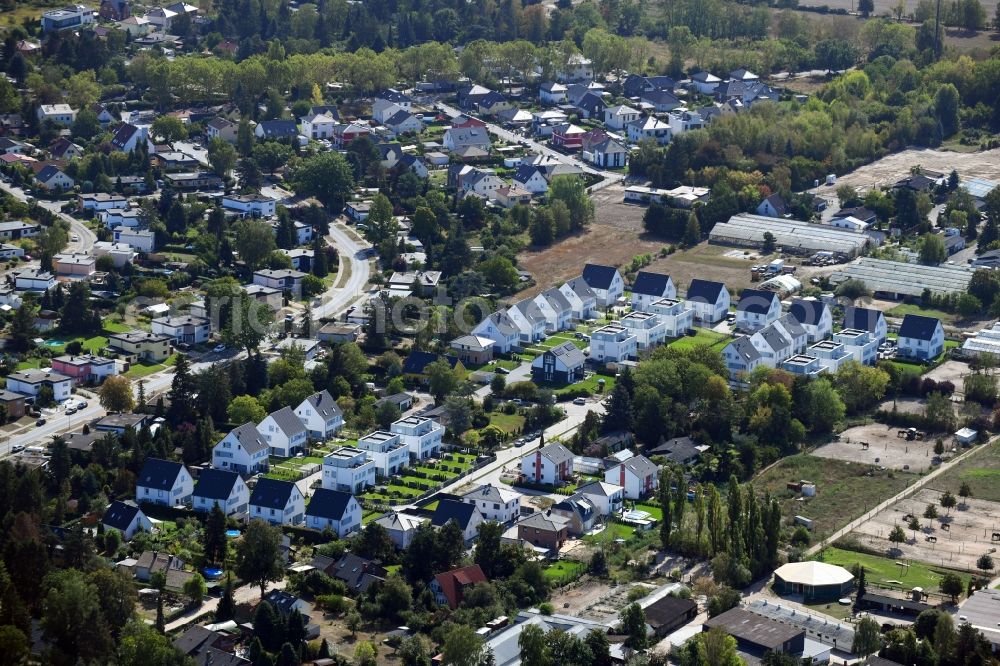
(348, 469)
(164, 482)
(529, 320)
(866, 319)
(70, 17)
(127, 137)
(555, 308)
(531, 179)
(552, 93)
(401, 527)
(457, 138)
(581, 297)
(705, 82)
(422, 435)
(221, 488)
(388, 101)
(284, 432)
(34, 279)
(277, 502)
(389, 453)
(773, 345)
(334, 510)
(920, 337)
(501, 329)
(129, 218)
(402, 122)
(741, 357)
(617, 117)
(649, 287)
(242, 450)
(466, 516)
(649, 330)
(637, 475)
(482, 182)
(677, 317)
(127, 518)
(249, 205)
(60, 114)
(496, 503)
(605, 281)
(607, 498)
(861, 345)
(648, 127)
(188, 329)
(140, 240)
(321, 415)
(814, 315)
(578, 68)
(756, 309)
(613, 343)
(550, 465)
(318, 126)
(30, 383)
(54, 179)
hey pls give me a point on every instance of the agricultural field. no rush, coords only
(844, 490)
(981, 471)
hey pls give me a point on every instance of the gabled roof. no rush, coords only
(556, 299)
(123, 134)
(503, 323)
(283, 602)
(705, 291)
(416, 362)
(159, 474)
(756, 301)
(777, 203)
(599, 277)
(808, 311)
(394, 96)
(120, 515)
(557, 453)
(600, 488)
(216, 484)
(278, 128)
(743, 348)
(287, 421)
(650, 284)
(331, 504)
(449, 509)
(864, 319)
(571, 355)
(641, 466)
(324, 404)
(791, 325)
(357, 572)
(398, 118)
(659, 97)
(525, 172)
(774, 338)
(529, 310)
(581, 288)
(667, 610)
(249, 438)
(918, 327)
(48, 172)
(492, 493)
(453, 582)
(271, 493)
(677, 449)
(326, 110)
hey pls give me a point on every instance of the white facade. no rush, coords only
(237, 502)
(607, 498)
(499, 328)
(386, 450)
(291, 514)
(345, 524)
(497, 504)
(677, 317)
(349, 470)
(242, 450)
(648, 329)
(177, 495)
(319, 126)
(617, 117)
(421, 435)
(548, 466)
(30, 383)
(320, 419)
(613, 343)
(753, 313)
(637, 475)
(281, 434)
(249, 205)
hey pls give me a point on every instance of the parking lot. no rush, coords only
(884, 448)
(969, 532)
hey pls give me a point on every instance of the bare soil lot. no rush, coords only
(981, 471)
(968, 536)
(894, 167)
(884, 448)
(951, 371)
(590, 598)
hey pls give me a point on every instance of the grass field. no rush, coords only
(904, 309)
(509, 423)
(563, 571)
(886, 571)
(981, 471)
(591, 383)
(703, 336)
(611, 532)
(843, 490)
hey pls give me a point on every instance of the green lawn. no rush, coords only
(703, 336)
(30, 364)
(509, 423)
(904, 309)
(590, 384)
(144, 369)
(882, 570)
(653, 510)
(563, 571)
(611, 532)
(981, 471)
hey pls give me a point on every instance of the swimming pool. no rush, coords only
(55, 343)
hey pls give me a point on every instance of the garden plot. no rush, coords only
(968, 535)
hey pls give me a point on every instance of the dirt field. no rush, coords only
(894, 167)
(981, 471)
(951, 371)
(968, 536)
(594, 600)
(884, 448)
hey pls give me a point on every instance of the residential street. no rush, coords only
(353, 253)
(86, 237)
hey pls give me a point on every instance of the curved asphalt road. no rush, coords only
(86, 237)
(339, 297)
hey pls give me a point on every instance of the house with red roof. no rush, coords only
(449, 587)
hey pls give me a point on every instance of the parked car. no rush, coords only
(40, 422)
(580, 401)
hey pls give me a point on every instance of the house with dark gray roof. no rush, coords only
(555, 308)
(466, 516)
(127, 518)
(530, 321)
(606, 282)
(321, 415)
(773, 206)
(709, 300)
(920, 337)
(276, 129)
(243, 450)
(333, 510)
(562, 364)
(221, 488)
(164, 482)
(356, 572)
(284, 432)
(277, 502)
(814, 315)
(649, 287)
(756, 309)
(638, 475)
(741, 356)
(679, 450)
(866, 319)
(581, 298)
(551, 465)
(501, 329)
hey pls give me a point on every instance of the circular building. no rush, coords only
(815, 581)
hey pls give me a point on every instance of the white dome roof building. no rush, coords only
(815, 581)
